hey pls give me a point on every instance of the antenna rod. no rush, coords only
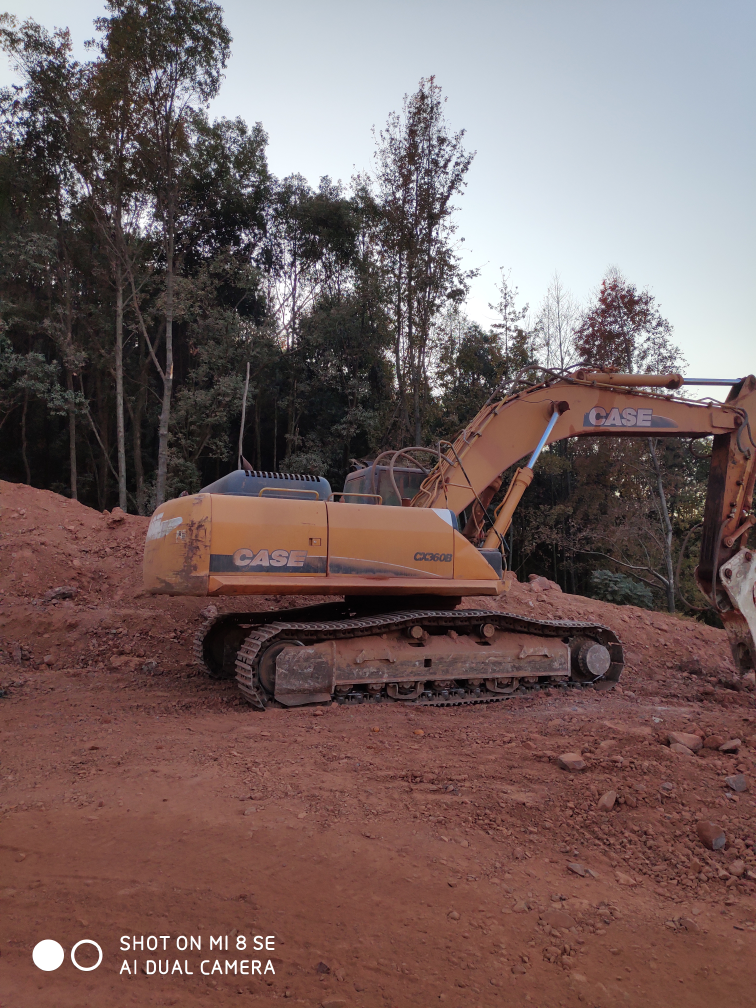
(243, 417)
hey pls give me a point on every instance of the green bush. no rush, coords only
(620, 589)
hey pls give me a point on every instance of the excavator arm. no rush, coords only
(605, 404)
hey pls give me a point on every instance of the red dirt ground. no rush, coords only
(398, 857)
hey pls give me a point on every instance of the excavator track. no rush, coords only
(305, 633)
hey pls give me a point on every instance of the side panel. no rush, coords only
(212, 544)
(469, 563)
(177, 547)
(385, 542)
(265, 535)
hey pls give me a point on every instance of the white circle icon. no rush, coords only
(48, 955)
(86, 941)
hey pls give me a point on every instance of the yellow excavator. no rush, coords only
(390, 547)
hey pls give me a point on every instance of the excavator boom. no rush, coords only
(606, 404)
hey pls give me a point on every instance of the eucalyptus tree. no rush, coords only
(420, 168)
(38, 120)
(108, 159)
(176, 51)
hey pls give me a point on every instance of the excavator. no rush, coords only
(390, 548)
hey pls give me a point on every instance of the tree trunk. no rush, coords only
(275, 433)
(72, 439)
(103, 419)
(136, 412)
(258, 447)
(401, 377)
(120, 425)
(165, 410)
(666, 527)
(240, 453)
(416, 407)
(24, 458)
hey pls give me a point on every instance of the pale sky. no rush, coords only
(608, 133)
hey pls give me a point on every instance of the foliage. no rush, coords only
(620, 589)
(624, 329)
(421, 167)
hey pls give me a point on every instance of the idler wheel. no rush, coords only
(266, 670)
(593, 659)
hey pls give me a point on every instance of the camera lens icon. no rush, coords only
(48, 955)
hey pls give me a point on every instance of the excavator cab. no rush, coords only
(393, 484)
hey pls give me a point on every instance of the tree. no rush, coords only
(40, 120)
(108, 160)
(177, 50)
(420, 169)
(23, 378)
(554, 331)
(620, 590)
(469, 364)
(509, 328)
(624, 329)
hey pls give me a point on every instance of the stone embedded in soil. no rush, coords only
(539, 584)
(63, 592)
(558, 919)
(731, 746)
(681, 750)
(624, 879)
(518, 969)
(578, 869)
(692, 742)
(737, 868)
(571, 761)
(714, 742)
(711, 835)
(688, 924)
(115, 517)
(738, 782)
(606, 801)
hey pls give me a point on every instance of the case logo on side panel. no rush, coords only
(269, 558)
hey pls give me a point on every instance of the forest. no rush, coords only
(153, 269)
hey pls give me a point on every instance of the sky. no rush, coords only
(608, 133)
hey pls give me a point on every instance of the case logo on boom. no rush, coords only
(628, 417)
